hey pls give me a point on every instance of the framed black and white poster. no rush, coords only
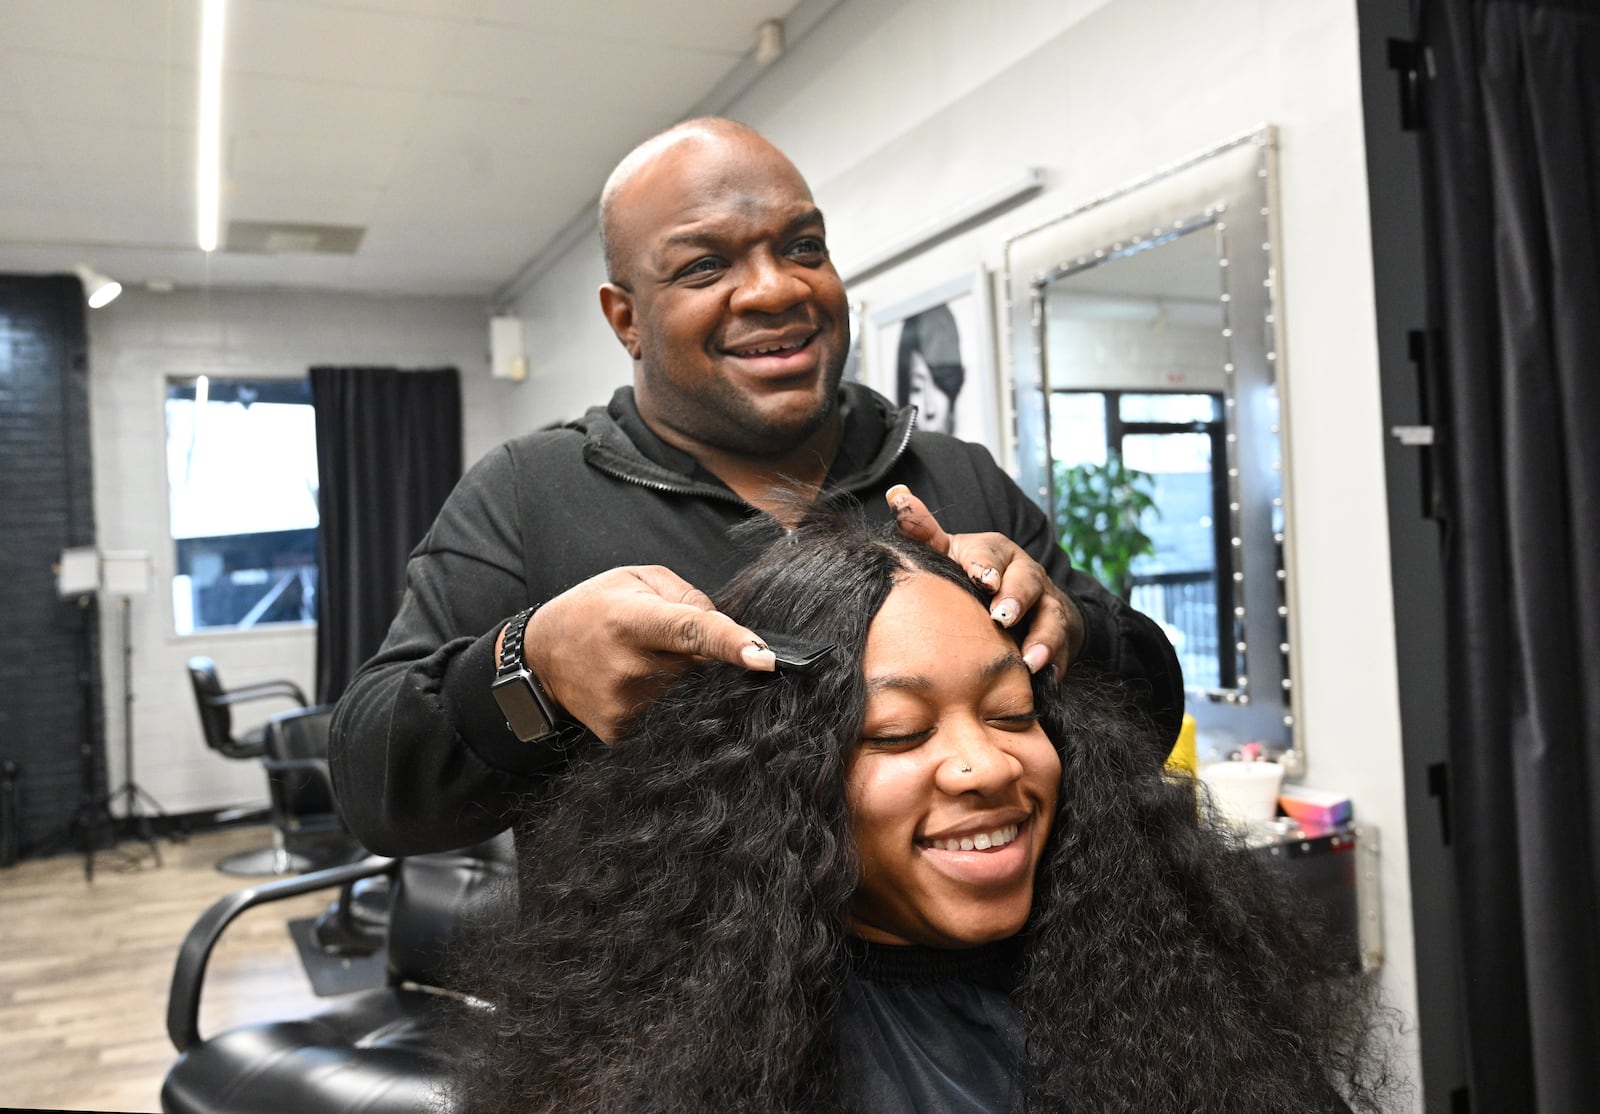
(935, 351)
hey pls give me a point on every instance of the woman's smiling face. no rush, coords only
(954, 783)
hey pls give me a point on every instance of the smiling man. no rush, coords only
(722, 292)
(564, 583)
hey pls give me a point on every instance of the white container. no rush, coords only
(1242, 792)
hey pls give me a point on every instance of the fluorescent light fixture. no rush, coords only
(209, 174)
(99, 290)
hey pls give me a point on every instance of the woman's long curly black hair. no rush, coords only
(680, 942)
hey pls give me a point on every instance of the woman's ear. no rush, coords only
(616, 302)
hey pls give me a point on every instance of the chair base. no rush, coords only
(263, 862)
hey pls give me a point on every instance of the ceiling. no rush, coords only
(466, 137)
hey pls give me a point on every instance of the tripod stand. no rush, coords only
(130, 792)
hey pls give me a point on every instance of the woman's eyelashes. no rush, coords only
(908, 735)
(894, 737)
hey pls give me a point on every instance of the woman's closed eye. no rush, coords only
(1017, 721)
(896, 736)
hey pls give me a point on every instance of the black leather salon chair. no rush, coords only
(215, 705)
(308, 833)
(216, 708)
(307, 827)
(388, 1050)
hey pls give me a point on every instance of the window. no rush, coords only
(1176, 440)
(242, 500)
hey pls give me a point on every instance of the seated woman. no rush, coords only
(909, 877)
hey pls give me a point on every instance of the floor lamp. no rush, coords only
(124, 574)
(78, 580)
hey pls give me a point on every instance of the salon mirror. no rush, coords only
(1143, 343)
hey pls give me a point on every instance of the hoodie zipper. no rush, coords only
(666, 488)
(617, 472)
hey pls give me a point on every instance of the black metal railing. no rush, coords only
(1185, 603)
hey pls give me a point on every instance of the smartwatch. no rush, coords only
(530, 714)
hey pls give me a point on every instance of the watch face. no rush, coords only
(520, 705)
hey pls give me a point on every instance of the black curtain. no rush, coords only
(388, 453)
(1512, 153)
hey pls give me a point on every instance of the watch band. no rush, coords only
(511, 642)
(530, 713)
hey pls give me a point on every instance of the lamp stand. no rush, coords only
(130, 792)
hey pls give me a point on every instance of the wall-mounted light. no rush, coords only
(208, 181)
(769, 42)
(99, 290)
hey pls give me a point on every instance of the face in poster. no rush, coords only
(933, 359)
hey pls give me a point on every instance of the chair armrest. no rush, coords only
(188, 976)
(287, 689)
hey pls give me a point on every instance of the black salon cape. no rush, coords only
(926, 1031)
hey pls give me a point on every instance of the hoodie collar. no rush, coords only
(620, 442)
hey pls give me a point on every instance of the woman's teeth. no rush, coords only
(983, 841)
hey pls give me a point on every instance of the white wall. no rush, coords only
(135, 344)
(900, 112)
(1136, 355)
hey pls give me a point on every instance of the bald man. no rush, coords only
(566, 581)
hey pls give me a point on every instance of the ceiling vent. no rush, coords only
(259, 237)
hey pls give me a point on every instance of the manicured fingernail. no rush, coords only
(1004, 612)
(1036, 657)
(757, 656)
(983, 574)
(898, 496)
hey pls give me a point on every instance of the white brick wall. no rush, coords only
(135, 344)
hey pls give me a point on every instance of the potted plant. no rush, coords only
(1098, 508)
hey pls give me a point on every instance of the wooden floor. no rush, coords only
(85, 967)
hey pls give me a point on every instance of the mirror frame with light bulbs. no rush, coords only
(1229, 191)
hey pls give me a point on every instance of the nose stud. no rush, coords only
(966, 769)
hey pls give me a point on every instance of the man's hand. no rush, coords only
(1017, 582)
(605, 648)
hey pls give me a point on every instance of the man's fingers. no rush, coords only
(1047, 638)
(1019, 584)
(671, 587)
(916, 521)
(685, 621)
(708, 634)
(606, 647)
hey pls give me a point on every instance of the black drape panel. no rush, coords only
(1512, 144)
(388, 452)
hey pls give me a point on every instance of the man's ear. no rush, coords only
(616, 303)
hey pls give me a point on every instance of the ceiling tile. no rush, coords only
(132, 32)
(327, 203)
(58, 87)
(16, 140)
(559, 72)
(313, 159)
(368, 47)
(258, 104)
(727, 26)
